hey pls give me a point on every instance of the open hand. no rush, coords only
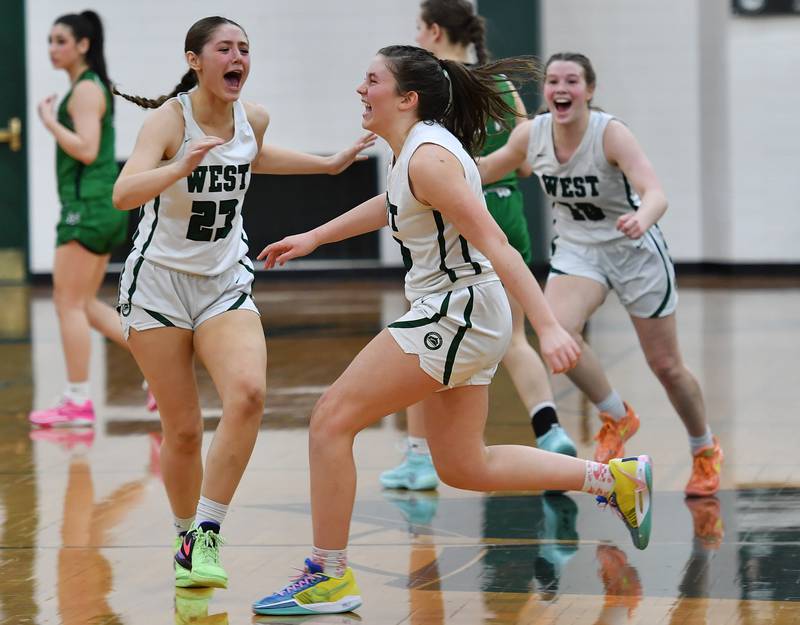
(290, 247)
(196, 151)
(342, 160)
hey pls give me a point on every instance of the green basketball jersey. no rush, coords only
(497, 135)
(77, 181)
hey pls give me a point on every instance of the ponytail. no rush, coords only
(87, 25)
(459, 20)
(188, 81)
(462, 99)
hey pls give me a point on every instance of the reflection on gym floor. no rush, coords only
(85, 531)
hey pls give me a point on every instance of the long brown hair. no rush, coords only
(198, 36)
(459, 20)
(460, 98)
(87, 25)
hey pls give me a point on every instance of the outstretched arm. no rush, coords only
(438, 180)
(623, 151)
(272, 159)
(508, 158)
(366, 217)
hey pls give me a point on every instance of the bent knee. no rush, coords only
(331, 417)
(457, 475)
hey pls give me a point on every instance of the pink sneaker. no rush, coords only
(79, 439)
(65, 414)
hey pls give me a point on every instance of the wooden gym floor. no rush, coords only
(85, 531)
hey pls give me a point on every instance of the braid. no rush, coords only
(188, 81)
(481, 51)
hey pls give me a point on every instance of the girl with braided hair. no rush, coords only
(444, 351)
(185, 291)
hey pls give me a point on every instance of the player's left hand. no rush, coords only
(559, 349)
(343, 159)
(290, 247)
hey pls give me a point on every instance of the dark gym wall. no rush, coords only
(514, 27)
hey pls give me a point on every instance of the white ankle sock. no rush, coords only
(182, 525)
(613, 405)
(77, 392)
(208, 510)
(332, 561)
(696, 443)
(418, 445)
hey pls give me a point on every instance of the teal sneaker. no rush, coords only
(560, 515)
(416, 472)
(199, 553)
(418, 508)
(631, 497)
(313, 592)
(557, 441)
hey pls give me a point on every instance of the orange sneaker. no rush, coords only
(706, 467)
(707, 520)
(612, 436)
(621, 582)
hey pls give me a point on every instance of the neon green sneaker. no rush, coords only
(199, 553)
(191, 605)
(631, 497)
(182, 576)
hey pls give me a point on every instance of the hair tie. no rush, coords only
(449, 86)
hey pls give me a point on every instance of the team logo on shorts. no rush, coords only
(433, 340)
(72, 219)
(125, 309)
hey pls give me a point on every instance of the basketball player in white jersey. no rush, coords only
(607, 201)
(185, 288)
(444, 351)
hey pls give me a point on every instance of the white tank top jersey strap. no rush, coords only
(195, 225)
(436, 257)
(587, 193)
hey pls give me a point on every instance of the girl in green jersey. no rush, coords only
(89, 227)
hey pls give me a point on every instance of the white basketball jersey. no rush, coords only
(437, 258)
(195, 225)
(587, 193)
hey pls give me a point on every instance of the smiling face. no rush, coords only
(565, 91)
(223, 63)
(64, 50)
(379, 95)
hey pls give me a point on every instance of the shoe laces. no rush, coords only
(611, 500)
(209, 543)
(304, 578)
